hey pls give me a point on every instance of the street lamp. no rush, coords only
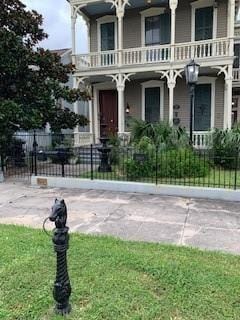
(191, 73)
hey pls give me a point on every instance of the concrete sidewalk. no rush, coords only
(214, 225)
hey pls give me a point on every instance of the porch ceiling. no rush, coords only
(100, 7)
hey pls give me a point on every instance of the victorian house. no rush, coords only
(134, 67)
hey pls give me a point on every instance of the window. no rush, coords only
(237, 13)
(83, 108)
(152, 104)
(157, 29)
(107, 36)
(202, 108)
(204, 23)
(236, 63)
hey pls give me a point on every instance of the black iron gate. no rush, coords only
(18, 161)
(18, 168)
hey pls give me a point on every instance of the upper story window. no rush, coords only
(204, 20)
(204, 23)
(107, 36)
(107, 33)
(237, 13)
(236, 63)
(157, 29)
(155, 26)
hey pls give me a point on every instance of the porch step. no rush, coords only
(85, 154)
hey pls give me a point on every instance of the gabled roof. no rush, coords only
(61, 52)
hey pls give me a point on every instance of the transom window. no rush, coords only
(204, 23)
(157, 29)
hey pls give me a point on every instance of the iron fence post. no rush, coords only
(35, 145)
(236, 171)
(156, 165)
(91, 162)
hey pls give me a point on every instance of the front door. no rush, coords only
(108, 112)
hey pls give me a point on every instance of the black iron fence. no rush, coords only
(59, 157)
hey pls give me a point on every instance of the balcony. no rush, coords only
(153, 54)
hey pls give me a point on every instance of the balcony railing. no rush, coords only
(236, 75)
(202, 139)
(202, 49)
(154, 54)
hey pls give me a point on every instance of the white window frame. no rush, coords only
(212, 81)
(103, 20)
(153, 84)
(203, 4)
(151, 12)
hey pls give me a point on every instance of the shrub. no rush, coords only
(160, 134)
(181, 163)
(135, 169)
(114, 143)
(170, 164)
(225, 147)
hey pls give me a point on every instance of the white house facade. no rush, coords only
(135, 65)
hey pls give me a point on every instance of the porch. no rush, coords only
(147, 97)
(201, 139)
(143, 56)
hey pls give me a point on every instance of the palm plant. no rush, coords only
(161, 134)
(225, 146)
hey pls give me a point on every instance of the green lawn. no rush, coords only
(216, 178)
(116, 280)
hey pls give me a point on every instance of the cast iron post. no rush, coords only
(35, 145)
(62, 286)
(192, 102)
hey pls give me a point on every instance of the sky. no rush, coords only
(57, 23)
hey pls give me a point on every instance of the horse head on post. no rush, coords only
(59, 214)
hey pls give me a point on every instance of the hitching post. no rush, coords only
(62, 287)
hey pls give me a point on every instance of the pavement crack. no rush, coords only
(181, 241)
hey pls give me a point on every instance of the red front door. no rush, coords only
(108, 112)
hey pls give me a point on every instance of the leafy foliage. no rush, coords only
(178, 163)
(225, 147)
(27, 97)
(160, 134)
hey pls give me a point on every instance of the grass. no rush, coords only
(217, 177)
(116, 280)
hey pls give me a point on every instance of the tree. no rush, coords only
(27, 97)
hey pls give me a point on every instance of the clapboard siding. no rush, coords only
(132, 25)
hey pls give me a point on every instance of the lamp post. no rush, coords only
(191, 73)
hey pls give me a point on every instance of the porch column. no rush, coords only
(173, 6)
(120, 15)
(228, 99)
(120, 80)
(121, 109)
(120, 11)
(171, 86)
(75, 104)
(91, 124)
(231, 19)
(73, 22)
